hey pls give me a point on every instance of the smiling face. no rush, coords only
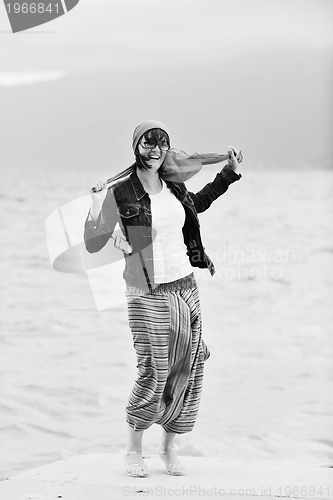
(153, 147)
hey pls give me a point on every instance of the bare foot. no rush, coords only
(135, 466)
(174, 467)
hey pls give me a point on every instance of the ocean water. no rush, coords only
(67, 369)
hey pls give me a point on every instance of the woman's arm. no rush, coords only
(209, 193)
(101, 219)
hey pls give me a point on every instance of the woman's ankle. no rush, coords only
(133, 449)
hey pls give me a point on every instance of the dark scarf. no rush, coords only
(178, 166)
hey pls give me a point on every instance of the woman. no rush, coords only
(159, 221)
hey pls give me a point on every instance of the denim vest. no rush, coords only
(128, 203)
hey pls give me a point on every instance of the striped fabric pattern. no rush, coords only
(166, 329)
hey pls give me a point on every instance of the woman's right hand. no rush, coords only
(235, 157)
(98, 191)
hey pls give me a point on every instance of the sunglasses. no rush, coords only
(164, 146)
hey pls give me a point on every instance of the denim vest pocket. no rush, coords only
(128, 210)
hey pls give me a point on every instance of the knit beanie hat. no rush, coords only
(143, 127)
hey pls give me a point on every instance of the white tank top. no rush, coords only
(169, 249)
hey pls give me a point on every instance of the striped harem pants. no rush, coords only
(166, 327)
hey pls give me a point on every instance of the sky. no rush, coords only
(256, 74)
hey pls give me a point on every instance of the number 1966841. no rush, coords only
(32, 8)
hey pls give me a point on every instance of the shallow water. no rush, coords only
(66, 369)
